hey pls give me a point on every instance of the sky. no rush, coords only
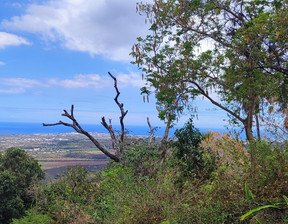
(55, 53)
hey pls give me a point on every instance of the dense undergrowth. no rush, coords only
(203, 179)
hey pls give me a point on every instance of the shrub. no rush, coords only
(230, 154)
(32, 217)
(69, 199)
(11, 204)
(128, 198)
(188, 153)
(270, 177)
(143, 158)
(18, 173)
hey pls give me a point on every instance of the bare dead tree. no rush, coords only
(115, 142)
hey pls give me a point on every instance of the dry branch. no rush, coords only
(77, 127)
(121, 107)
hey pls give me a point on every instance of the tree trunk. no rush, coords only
(249, 133)
(163, 146)
(248, 124)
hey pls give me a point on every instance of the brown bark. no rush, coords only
(163, 146)
(248, 126)
(249, 134)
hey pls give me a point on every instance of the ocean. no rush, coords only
(11, 128)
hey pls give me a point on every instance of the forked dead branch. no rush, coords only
(115, 142)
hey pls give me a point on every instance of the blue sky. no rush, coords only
(54, 53)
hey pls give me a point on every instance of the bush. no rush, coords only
(128, 198)
(11, 206)
(69, 199)
(25, 169)
(188, 153)
(143, 158)
(18, 173)
(230, 154)
(270, 177)
(32, 217)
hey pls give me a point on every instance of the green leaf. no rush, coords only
(286, 199)
(248, 193)
(259, 221)
(257, 210)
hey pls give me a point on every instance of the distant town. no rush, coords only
(52, 142)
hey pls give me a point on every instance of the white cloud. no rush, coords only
(8, 39)
(132, 79)
(20, 82)
(2, 63)
(96, 81)
(79, 81)
(12, 90)
(102, 27)
(92, 81)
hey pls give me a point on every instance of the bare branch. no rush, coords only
(215, 102)
(121, 107)
(76, 126)
(109, 128)
(151, 131)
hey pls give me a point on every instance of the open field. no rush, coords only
(58, 152)
(55, 168)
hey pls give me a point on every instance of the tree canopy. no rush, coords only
(18, 173)
(246, 65)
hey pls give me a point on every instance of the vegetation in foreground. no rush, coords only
(203, 179)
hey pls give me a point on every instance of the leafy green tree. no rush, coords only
(189, 156)
(18, 173)
(246, 65)
(11, 204)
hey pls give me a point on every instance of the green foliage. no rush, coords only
(32, 217)
(248, 55)
(11, 204)
(142, 158)
(65, 199)
(257, 210)
(18, 173)
(124, 193)
(248, 193)
(274, 205)
(127, 198)
(189, 154)
(25, 169)
(271, 171)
